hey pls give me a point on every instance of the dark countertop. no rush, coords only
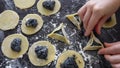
(68, 7)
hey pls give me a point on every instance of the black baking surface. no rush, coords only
(76, 37)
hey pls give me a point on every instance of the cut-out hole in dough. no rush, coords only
(70, 53)
(47, 12)
(23, 4)
(41, 62)
(29, 30)
(63, 37)
(8, 20)
(6, 46)
(111, 23)
(93, 44)
(75, 19)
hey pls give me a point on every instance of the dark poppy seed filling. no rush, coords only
(41, 52)
(48, 4)
(95, 43)
(32, 23)
(109, 19)
(16, 45)
(69, 63)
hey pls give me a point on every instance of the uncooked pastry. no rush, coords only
(47, 12)
(90, 45)
(29, 30)
(41, 62)
(6, 46)
(70, 53)
(58, 36)
(74, 20)
(111, 23)
(8, 20)
(23, 4)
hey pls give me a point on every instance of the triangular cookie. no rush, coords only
(75, 19)
(93, 44)
(60, 37)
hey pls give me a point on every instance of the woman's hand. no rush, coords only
(112, 53)
(95, 12)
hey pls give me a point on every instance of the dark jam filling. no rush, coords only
(69, 63)
(31, 23)
(77, 18)
(49, 4)
(109, 19)
(16, 45)
(41, 52)
(96, 44)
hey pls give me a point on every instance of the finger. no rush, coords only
(113, 59)
(81, 12)
(87, 17)
(100, 23)
(116, 65)
(110, 44)
(110, 50)
(92, 22)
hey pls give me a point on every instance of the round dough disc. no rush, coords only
(6, 46)
(111, 23)
(46, 12)
(8, 20)
(79, 59)
(41, 62)
(29, 30)
(23, 4)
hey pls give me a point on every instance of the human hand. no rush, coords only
(112, 53)
(95, 12)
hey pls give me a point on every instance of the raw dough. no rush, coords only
(89, 45)
(111, 23)
(41, 62)
(58, 36)
(29, 30)
(23, 4)
(8, 20)
(6, 46)
(74, 20)
(46, 12)
(79, 59)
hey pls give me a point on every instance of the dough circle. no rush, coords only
(46, 12)
(41, 62)
(79, 59)
(8, 20)
(6, 46)
(23, 4)
(110, 24)
(29, 30)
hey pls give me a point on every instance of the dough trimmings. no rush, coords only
(31, 24)
(75, 19)
(63, 37)
(110, 23)
(68, 54)
(48, 12)
(23, 4)
(93, 43)
(41, 62)
(8, 17)
(6, 46)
